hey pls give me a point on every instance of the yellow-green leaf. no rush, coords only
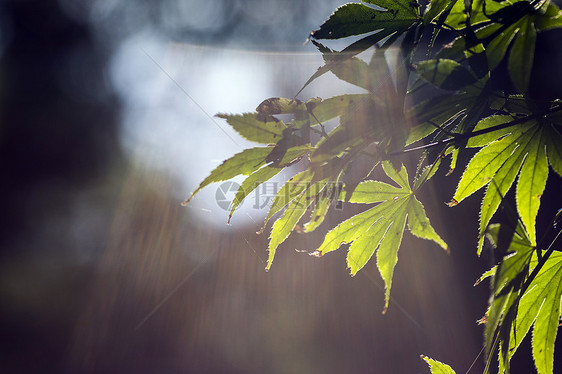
(435, 8)
(544, 297)
(336, 106)
(532, 181)
(265, 131)
(251, 183)
(318, 214)
(487, 123)
(501, 183)
(355, 19)
(551, 19)
(507, 282)
(539, 305)
(437, 367)
(293, 188)
(243, 163)
(379, 229)
(419, 224)
(483, 166)
(283, 227)
(499, 162)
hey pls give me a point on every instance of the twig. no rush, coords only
(457, 137)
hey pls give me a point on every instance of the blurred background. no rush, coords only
(106, 125)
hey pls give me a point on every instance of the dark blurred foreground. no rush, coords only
(101, 270)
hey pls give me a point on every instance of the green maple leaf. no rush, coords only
(550, 19)
(521, 300)
(438, 111)
(356, 19)
(437, 367)
(515, 24)
(251, 183)
(541, 304)
(457, 17)
(507, 282)
(293, 188)
(520, 149)
(247, 162)
(294, 211)
(248, 125)
(322, 203)
(435, 8)
(382, 226)
(243, 163)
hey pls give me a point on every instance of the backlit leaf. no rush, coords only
(512, 104)
(379, 229)
(283, 227)
(426, 174)
(408, 6)
(251, 183)
(419, 224)
(532, 180)
(507, 282)
(353, 70)
(355, 19)
(318, 214)
(500, 161)
(496, 191)
(265, 131)
(543, 298)
(336, 106)
(437, 367)
(457, 16)
(243, 163)
(290, 149)
(538, 303)
(551, 19)
(281, 105)
(483, 166)
(441, 111)
(435, 8)
(294, 187)
(456, 50)
(337, 62)
(487, 123)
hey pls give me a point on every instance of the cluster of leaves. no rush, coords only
(469, 107)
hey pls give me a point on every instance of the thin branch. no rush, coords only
(323, 129)
(457, 137)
